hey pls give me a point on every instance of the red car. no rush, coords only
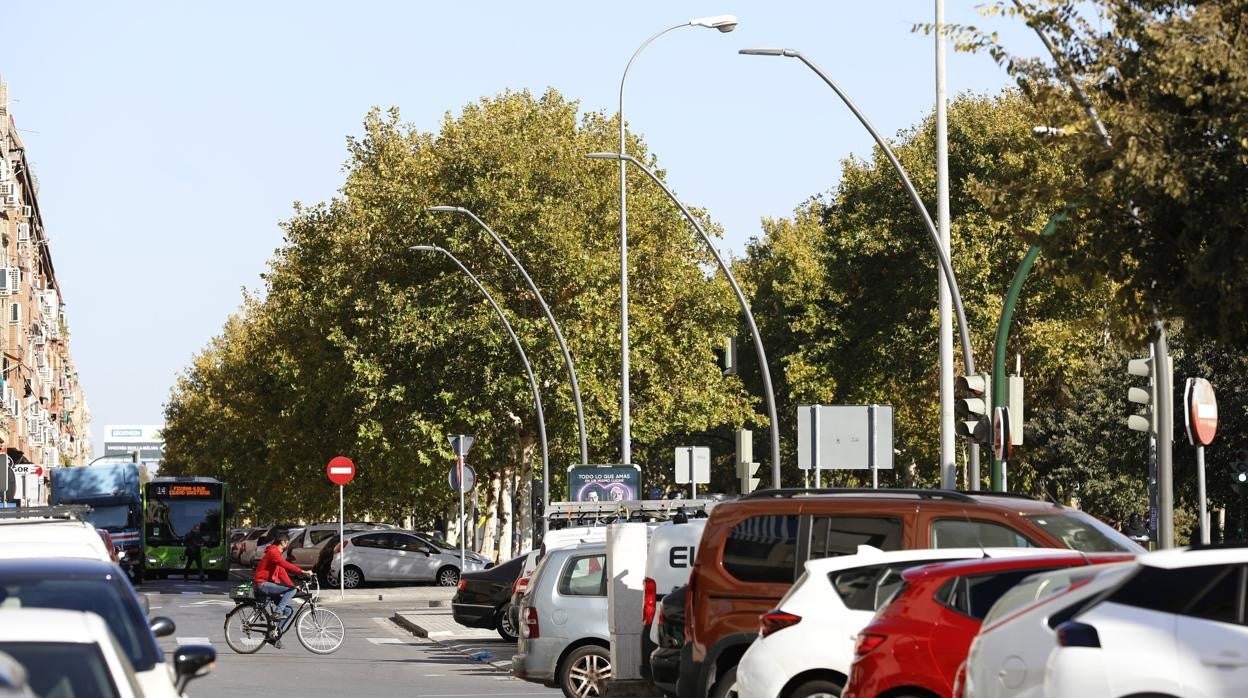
(916, 643)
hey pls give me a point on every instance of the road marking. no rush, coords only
(385, 641)
(208, 602)
(441, 633)
(193, 641)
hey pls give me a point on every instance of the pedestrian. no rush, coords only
(194, 542)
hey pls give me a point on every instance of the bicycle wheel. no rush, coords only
(320, 630)
(246, 628)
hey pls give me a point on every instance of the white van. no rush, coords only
(669, 561)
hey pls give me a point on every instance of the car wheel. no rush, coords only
(817, 688)
(726, 686)
(503, 624)
(585, 672)
(448, 577)
(352, 577)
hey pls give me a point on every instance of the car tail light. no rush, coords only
(690, 592)
(529, 627)
(1075, 634)
(868, 642)
(774, 620)
(648, 601)
(519, 586)
(463, 584)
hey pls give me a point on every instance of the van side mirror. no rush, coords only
(191, 662)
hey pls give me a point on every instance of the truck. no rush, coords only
(114, 493)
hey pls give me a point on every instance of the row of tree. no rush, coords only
(359, 346)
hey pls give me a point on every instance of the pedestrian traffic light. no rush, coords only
(972, 407)
(1147, 396)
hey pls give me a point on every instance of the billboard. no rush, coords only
(125, 439)
(603, 483)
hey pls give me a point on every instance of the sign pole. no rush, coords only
(463, 532)
(875, 474)
(693, 481)
(814, 443)
(342, 582)
(1200, 492)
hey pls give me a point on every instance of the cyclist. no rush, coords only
(271, 579)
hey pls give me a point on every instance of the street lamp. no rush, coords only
(563, 346)
(745, 307)
(725, 24)
(528, 369)
(946, 268)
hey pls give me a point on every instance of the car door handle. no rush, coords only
(1226, 660)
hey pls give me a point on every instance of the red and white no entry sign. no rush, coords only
(340, 470)
(1202, 412)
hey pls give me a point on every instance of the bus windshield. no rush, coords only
(173, 511)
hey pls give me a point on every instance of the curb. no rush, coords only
(420, 631)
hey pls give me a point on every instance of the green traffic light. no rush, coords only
(1241, 477)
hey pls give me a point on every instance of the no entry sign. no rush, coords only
(1202, 412)
(340, 470)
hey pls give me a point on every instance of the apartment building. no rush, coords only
(44, 418)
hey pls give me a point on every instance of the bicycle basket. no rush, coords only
(242, 592)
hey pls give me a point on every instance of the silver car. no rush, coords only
(564, 640)
(399, 556)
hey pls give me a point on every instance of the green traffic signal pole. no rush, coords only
(1003, 334)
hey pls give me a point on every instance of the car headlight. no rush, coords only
(214, 560)
(152, 561)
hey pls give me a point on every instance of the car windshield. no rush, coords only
(63, 668)
(1081, 532)
(439, 542)
(103, 595)
(1037, 587)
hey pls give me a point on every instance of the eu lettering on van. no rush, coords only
(680, 555)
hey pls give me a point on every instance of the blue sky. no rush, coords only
(171, 138)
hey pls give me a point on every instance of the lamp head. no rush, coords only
(724, 23)
(603, 156)
(766, 52)
(443, 209)
(424, 248)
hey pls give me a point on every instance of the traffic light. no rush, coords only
(1145, 368)
(1014, 404)
(134, 456)
(972, 407)
(726, 356)
(1239, 473)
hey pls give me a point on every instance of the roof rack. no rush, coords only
(61, 512)
(634, 510)
(790, 492)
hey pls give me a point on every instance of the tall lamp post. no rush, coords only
(968, 357)
(769, 394)
(528, 369)
(563, 345)
(724, 23)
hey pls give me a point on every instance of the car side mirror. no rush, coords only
(163, 626)
(191, 662)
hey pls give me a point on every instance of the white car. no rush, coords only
(1008, 655)
(67, 653)
(306, 543)
(394, 555)
(49, 536)
(806, 644)
(1174, 627)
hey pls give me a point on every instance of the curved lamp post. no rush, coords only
(528, 369)
(563, 346)
(725, 24)
(968, 357)
(745, 307)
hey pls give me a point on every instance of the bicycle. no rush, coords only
(249, 626)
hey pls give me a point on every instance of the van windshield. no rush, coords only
(1078, 531)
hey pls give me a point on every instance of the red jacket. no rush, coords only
(273, 567)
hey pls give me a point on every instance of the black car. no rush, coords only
(665, 661)
(75, 584)
(484, 596)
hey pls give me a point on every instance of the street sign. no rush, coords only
(1201, 412)
(340, 470)
(693, 464)
(461, 443)
(841, 437)
(1002, 443)
(470, 478)
(27, 469)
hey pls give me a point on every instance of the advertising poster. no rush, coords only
(603, 483)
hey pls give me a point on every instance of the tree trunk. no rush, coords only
(505, 516)
(489, 530)
(452, 530)
(524, 494)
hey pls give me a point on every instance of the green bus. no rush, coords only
(172, 507)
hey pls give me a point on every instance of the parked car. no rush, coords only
(917, 642)
(404, 556)
(252, 555)
(564, 640)
(1007, 657)
(247, 546)
(1175, 626)
(67, 653)
(306, 543)
(805, 644)
(553, 540)
(97, 587)
(753, 549)
(484, 598)
(234, 540)
(665, 659)
(38, 532)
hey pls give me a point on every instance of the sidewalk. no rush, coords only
(479, 644)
